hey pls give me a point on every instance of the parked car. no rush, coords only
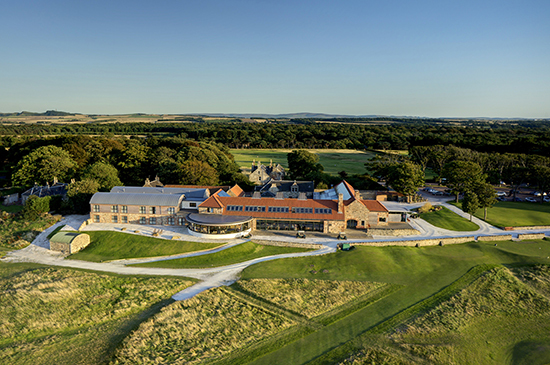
(518, 199)
(530, 199)
(546, 199)
(501, 199)
(501, 193)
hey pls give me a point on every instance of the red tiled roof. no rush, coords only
(272, 202)
(374, 205)
(235, 190)
(212, 202)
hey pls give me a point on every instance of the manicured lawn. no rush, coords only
(516, 214)
(109, 245)
(447, 219)
(243, 252)
(351, 161)
(422, 271)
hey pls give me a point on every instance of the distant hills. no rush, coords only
(48, 113)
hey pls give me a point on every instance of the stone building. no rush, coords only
(260, 174)
(69, 242)
(289, 188)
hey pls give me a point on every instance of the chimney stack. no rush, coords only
(340, 203)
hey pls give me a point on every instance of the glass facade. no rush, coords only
(276, 225)
(213, 229)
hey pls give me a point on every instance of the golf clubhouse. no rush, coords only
(232, 213)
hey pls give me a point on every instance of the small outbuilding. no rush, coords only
(69, 242)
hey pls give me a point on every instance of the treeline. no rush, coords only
(110, 160)
(294, 135)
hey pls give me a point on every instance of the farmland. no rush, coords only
(334, 161)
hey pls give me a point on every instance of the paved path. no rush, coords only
(39, 252)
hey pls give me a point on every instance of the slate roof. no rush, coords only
(197, 194)
(64, 237)
(142, 199)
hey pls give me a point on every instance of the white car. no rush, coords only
(501, 193)
(529, 199)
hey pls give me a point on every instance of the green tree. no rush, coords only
(486, 196)
(35, 207)
(106, 175)
(463, 176)
(198, 173)
(405, 178)
(541, 177)
(43, 165)
(470, 203)
(303, 164)
(80, 193)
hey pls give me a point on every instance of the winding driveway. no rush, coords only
(38, 251)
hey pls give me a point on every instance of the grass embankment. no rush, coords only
(64, 316)
(240, 253)
(11, 208)
(109, 245)
(16, 232)
(447, 219)
(423, 272)
(515, 214)
(333, 160)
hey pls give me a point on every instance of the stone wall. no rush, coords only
(534, 228)
(392, 232)
(287, 244)
(412, 243)
(531, 236)
(77, 244)
(334, 227)
(503, 237)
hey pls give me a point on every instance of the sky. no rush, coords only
(387, 57)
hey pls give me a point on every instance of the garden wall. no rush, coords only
(412, 243)
(531, 236)
(504, 237)
(287, 244)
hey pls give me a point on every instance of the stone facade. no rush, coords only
(161, 215)
(531, 236)
(76, 244)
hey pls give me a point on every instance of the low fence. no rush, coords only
(287, 244)
(530, 228)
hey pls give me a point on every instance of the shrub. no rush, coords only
(35, 206)
(425, 208)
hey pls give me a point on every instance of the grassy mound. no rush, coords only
(109, 245)
(205, 327)
(309, 298)
(240, 253)
(63, 316)
(446, 219)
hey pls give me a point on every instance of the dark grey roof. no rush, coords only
(41, 191)
(217, 219)
(200, 192)
(155, 199)
(285, 185)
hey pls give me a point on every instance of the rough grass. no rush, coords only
(240, 253)
(109, 245)
(11, 208)
(205, 327)
(333, 160)
(447, 219)
(14, 231)
(515, 214)
(309, 298)
(63, 316)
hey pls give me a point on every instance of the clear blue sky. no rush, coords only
(390, 57)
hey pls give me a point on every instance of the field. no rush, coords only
(334, 161)
(16, 233)
(62, 316)
(516, 214)
(243, 252)
(429, 276)
(109, 245)
(446, 219)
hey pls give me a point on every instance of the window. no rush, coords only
(277, 209)
(381, 219)
(171, 210)
(302, 210)
(171, 221)
(192, 205)
(96, 209)
(142, 220)
(152, 220)
(363, 223)
(152, 210)
(250, 208)
(114, 208)
(323, 211)
(114, 219)
(181, 221)
(124, 219)
(124, 209)
(142, 210)
(294, 188)
(96, 218)
(235, 208)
